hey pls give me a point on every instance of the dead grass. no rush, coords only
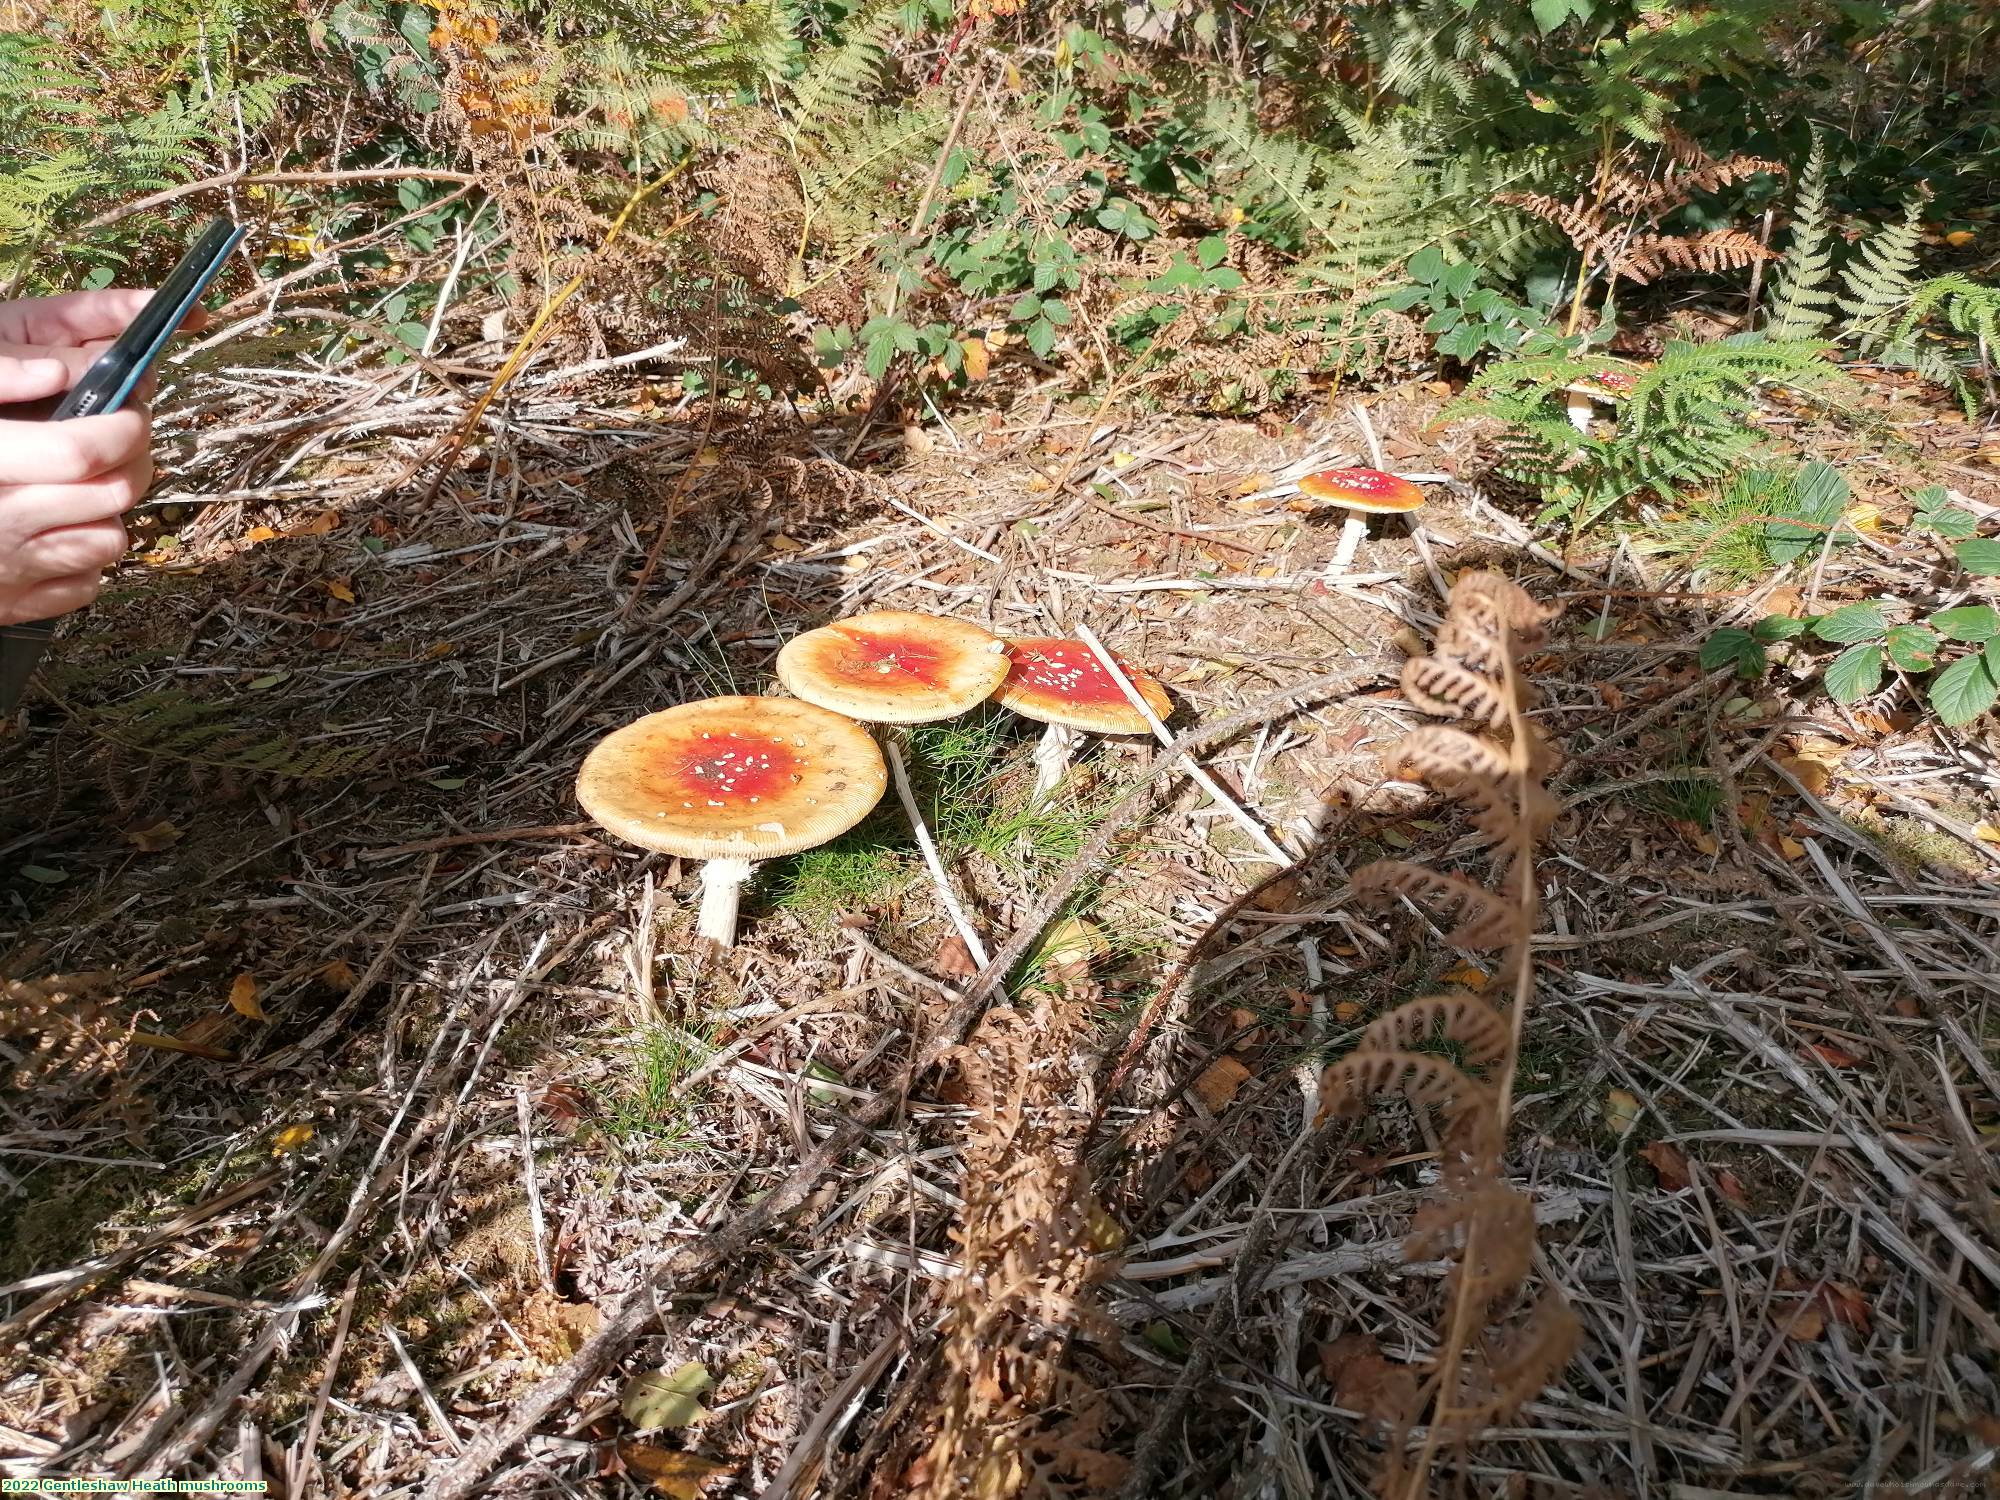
(1785, 1264)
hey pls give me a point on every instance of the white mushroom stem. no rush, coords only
(1351, 533)
(1202, 779)
(1053, 753)
(1579, 407)
(1356, 526)
(721, 890)
(967, 933)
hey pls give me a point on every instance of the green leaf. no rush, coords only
(1912, 647)
(1980, 556)
(1777, 628)
(1851, 622)
(1969, 622)
(1730, 646)
(1965, 689)
(1041, 336)
(1817, 495)
(1427, 265)
(1855, 673)
(1056, 312)
(1027, 306)
(1211, 252)
(1951, 522)
(659, 1399)
(43, 875)
(1549, 14)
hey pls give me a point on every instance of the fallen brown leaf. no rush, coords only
(678, 1475)
(1845, 1305)
(337, 975)
(1670, 1162)
(953, 959)
(1365, 1381)
(243, 998)
(153, 837)
(1806, 1324)
(1219, 1082)
(1833, 1056)
(1730, 1186)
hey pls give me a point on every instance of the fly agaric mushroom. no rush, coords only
(1062, 684)
(1361, 493)
(1582, 397)
(729, 781)
(894, 666)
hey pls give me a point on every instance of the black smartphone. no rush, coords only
(106, 386)
(114, 373)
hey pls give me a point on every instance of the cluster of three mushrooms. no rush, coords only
(731, 781)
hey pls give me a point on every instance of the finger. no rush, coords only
(75, 358)
(70, 452)
(71, 549)
(50, 598)
(32, 378)
(29, 509)
(72, 318)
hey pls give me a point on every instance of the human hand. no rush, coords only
(75, 328)
(63, 486)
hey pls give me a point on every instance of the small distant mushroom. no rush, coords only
(1062, 684)
(1582, 397)
(894, 666)
(1361, 493)
(729, 781)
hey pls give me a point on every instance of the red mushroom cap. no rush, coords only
(745, 778)
(894, 666)
(1060, 681)
(1368, 490)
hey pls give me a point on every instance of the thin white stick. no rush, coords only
(1360, 415)
(1202, 779)
(966, 931)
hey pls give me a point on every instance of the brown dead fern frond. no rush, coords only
(62, 1043)
(1482, 919)
(1492, 1356)
(1479, 1031)
(1013, 1414)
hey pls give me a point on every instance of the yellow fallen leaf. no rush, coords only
(321, 524)
(1790, 847)
(340, 589)
(1123, 458)
(1219, 1081)
(1469, 975)
(243, 998)
(1958, 239)
(1071, 947)
(258, 534)
(1621, 1111)
(337, 975)
(1986, 833)
(1039, 482)
(1864, 517)
(975, 357)
(783, 543)
(662, 1398)
(1346, 1011)
(1254, 483)
(998, 338)
(290, 1139)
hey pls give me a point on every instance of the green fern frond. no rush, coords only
(1877, 280)
(841, 81)
(1802, 303)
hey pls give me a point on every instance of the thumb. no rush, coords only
(32, 379)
